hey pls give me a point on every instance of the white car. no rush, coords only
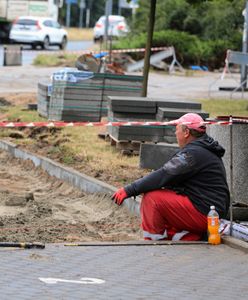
(117, 27)
(37, 31)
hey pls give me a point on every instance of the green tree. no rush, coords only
(212, 19)
(169, 14)
(222, 18)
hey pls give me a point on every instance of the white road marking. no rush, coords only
(83, 280)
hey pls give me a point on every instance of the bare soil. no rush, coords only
(37, 207)
(18, 98)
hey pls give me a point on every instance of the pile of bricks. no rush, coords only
(85, 99)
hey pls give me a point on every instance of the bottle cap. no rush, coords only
(212, 207)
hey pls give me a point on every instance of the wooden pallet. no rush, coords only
(125, 147)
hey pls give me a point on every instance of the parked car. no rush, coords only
(38, 31)
(117, 27)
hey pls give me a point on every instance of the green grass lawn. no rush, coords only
(225, 107)
(80, 34)
(215, 107)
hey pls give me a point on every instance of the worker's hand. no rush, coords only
(119, 196)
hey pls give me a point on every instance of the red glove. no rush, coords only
(119, 196)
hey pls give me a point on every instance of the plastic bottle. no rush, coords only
(213, 227)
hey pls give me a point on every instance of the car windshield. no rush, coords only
(111, 19)
(26, 22)
(114, 22)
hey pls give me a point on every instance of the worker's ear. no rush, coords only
(186, 132)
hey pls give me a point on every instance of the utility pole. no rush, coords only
(119, 7)
(88, 12)
(110, 7)
(82, 7)
(108, 11)
(148, 47)
(244, 47)
(68, 13)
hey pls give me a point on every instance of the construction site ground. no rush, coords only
(35, 207)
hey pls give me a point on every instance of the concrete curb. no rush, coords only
(235, 243)
(89, 184)
(83, 182)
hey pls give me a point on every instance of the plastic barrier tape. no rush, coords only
(90, 124)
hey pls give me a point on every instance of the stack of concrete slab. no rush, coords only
(121, 85)
(77, 101)
(85, 99)
(153, 134)
(171, 109)
(161, 151)
(168, 114)
(43, 98)
(148, 109)
(131, 108)
(177, 103)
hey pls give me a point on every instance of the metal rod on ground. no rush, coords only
(231, 174)
(22, 245)
(137, 243)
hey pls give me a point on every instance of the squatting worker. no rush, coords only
(177, 197)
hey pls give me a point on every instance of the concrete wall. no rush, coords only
(238, 157)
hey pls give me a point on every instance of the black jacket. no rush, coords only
(197, 171)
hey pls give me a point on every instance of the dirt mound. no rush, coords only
(37, 207)
(17, 98)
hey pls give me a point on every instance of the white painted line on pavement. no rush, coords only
(83, 280)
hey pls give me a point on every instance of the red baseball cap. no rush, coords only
(192, 121)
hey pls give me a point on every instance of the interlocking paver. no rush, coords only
(142, 272)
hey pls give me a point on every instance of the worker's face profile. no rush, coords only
(181, 133)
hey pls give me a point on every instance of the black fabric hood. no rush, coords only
(209, 143)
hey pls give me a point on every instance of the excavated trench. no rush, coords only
(36, 207)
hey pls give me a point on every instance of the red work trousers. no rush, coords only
(169, 216)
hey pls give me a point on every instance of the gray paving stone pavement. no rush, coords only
(129, 272)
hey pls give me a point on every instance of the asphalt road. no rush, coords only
(28, 54)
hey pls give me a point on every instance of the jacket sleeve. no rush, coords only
(175, 171)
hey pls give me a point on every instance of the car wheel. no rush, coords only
(45, 44)
(101, 39)
(63, 43)
(33, 46)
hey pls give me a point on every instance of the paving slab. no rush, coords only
(129, 272)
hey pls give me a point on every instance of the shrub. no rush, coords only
(189, 48)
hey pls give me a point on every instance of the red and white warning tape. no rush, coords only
(90, 124)
(88, 51)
